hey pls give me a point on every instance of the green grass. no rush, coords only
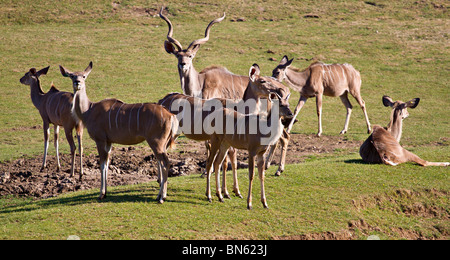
(313, 197)
(400, 47)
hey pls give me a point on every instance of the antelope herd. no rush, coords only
(251, 112)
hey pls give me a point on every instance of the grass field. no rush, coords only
(401, 49)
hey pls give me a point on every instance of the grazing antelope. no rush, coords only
(256, 90)
(334, 80)
(383, 145)
(242, 137)
(55, 108)
(113, 121)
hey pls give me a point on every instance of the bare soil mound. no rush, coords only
(132, 165)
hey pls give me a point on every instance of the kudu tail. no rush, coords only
(173, 132)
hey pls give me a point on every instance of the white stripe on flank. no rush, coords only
(109, 114)
(139, 110)
(57, 109)
(129, 118)
(117, 126)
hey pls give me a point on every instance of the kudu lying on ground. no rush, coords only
(55, 108)
(113, 121)
(383, 145)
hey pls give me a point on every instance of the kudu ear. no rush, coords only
(169, 48)
(387, 101)
(413, 103)
(64, 72)
(254, 71)
(195, 48)
(88, 69)
(285, 62)
(42, 71)
(272, 96)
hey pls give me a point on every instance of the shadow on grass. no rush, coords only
(145, 194)
(357, 161)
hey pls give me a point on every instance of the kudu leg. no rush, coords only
(260, 164)
(270, 154)
(79, 130)
(284, 140)
(251, 175)
(56, 137)
(163, 162)
(232, 153)
(218, 161)
(348, 106)
(362, 104)
(46, 134)
(299, 106)
(104, 150)
(73, 148)
(414, 158)
(224, 177)
(215, 145)
(319, 113)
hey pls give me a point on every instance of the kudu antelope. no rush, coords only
(258, 88)
(334, 80)
(383, 145)
(55, 108)
(113, 121)
(211, 82)
(248, 132)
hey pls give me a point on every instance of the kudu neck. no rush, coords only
(296, 79)
(190, 83)
(395, 125)
(36, 93)
(81, 104)
(249, 94)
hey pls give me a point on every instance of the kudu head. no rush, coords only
(185, 56)
(263, 86)
(78, 78)
(280, 71)
(399, 108)
(283, 105)
(33, 75)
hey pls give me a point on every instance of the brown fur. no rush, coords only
(55, 108)
(334, 80)
(220, 142)
(383, 146)
(113, 121)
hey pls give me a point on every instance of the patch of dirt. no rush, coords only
(408, 202)
(346, 234)
(136, 164)
(360, 228)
